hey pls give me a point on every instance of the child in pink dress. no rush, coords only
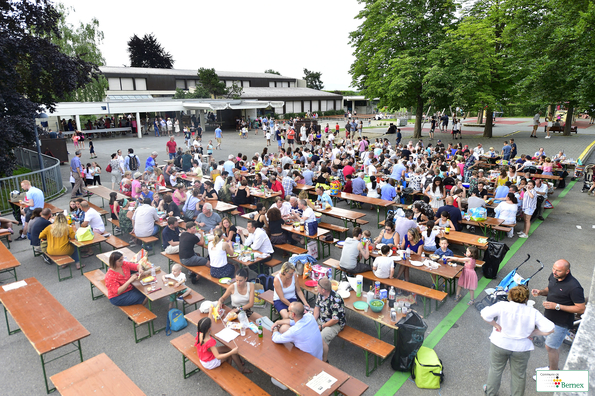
(468, 279)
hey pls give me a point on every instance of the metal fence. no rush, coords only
(50, 175)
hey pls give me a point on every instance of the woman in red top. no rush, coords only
(209, 354)
(119, 281)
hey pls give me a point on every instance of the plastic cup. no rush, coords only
(243, 331)
(366, 308)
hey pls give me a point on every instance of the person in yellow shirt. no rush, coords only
(58, 236)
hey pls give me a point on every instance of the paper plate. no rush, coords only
(344, 294)
(311, 283)
(361, 305)
(416, 263)
(380, 245)
(340, 243)
(225, 280)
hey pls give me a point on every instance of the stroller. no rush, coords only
(500, 293)
(588, 176)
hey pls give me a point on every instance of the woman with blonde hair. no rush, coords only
(218, 251)
(58, 236)
(160, 178)
(126, 184)
(287, 290)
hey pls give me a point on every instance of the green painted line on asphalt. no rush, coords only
(397, 380)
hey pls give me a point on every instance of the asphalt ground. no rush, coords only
(455, 331)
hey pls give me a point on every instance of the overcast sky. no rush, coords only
(233, 35)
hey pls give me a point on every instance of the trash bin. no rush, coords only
(493, 256)
(412, 330)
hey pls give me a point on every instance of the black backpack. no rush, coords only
(132, 162)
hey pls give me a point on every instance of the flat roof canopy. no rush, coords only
(69, 109)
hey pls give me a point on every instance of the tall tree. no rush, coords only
(210, 83)
(392, 48)
(33, 72)
(313, 79)
(271, 71)
(82, 41)
(147, 52)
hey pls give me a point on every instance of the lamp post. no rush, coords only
(38, 144)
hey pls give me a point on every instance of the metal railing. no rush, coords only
(50, 175)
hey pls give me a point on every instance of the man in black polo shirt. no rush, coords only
(565, 298)
(188, 240)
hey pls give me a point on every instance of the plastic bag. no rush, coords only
(84, 234)
(412, 329)
(478, 214)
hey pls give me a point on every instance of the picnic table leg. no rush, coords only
(378, 216)
(45, 377)
(8, 325)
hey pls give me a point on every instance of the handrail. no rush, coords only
(29, 159)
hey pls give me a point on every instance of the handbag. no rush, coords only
(108, 168)
(84, 234)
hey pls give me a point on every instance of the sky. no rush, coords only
(233, 35)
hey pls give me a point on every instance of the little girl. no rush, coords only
(444, 220)
(429, 237)
(75, 139)
(468, 279)
(209, 354)
(92, 150)
(179, 278)
(210, 149)
(89, 174)
(268, 136)
(97, 175)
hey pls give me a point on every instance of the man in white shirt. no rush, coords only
(143, 220)
(307, 212)
(283, 205)
(300, 329)
(220, 181)
(258, 240)
(477, 151)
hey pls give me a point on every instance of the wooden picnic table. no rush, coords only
(104, 257)
(44, 321)
(463, 238)
(549, 177)
(55, 210)
(97, 239)
(8, 263)
(321, 232)
(284, 362)
(221, 206)
(485, 225)
(104, 193)
(380, 319)
(303, 187)
(343, 214)
(96, 376)
(379, 203)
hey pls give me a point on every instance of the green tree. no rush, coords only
(33, 72)
(209, 81)
(392, 47)
(313, 79)
(83, 42)
(198, 93)
(271, 71)
(147, 52)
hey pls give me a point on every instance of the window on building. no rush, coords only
(306, 106)
(180, 84)
(314, 105)
(191, 84)
(141, 84)
(285, 84)
(271, 84)
(228, 83)
(297, 106)
(245, 83)
(292, 84)
(114, 84)
(338, 105)
(288, 107)
(323, 105)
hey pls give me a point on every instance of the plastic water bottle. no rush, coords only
(153, 271)
(243, 319)
(238, 240)
(408, 253)
(423, 255)
(330, 274)
(391, 296)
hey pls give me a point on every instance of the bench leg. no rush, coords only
(429, 306)
(149, 325)
(191, 373)
(93, 296)
(10, 332)
(65, 278)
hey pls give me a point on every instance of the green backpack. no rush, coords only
(426, 370)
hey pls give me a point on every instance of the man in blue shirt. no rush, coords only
(79, 179)
(308, 175)
(502, 191)
(323, 198)
(151, 160)
(229, 165)
(398, 172)
(358, 185)
(387, 192)
(506, 149)
(300, 329)
(33, 199)
(131, 163)
(218, 137)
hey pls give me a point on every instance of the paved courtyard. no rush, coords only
(456, 332)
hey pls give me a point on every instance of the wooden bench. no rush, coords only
(369, 344)
(291, 248)
(248, 206)
(353, 387)
(334, 228)
(227, 377)
(328, 244)
(200, 271)
(234, 213)
(425, 293)
(146, 241)
(191, 299)
(115, 223)
(116, 243)
(560, 128)
(62, 261)
(361, 222)
(139, 314)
